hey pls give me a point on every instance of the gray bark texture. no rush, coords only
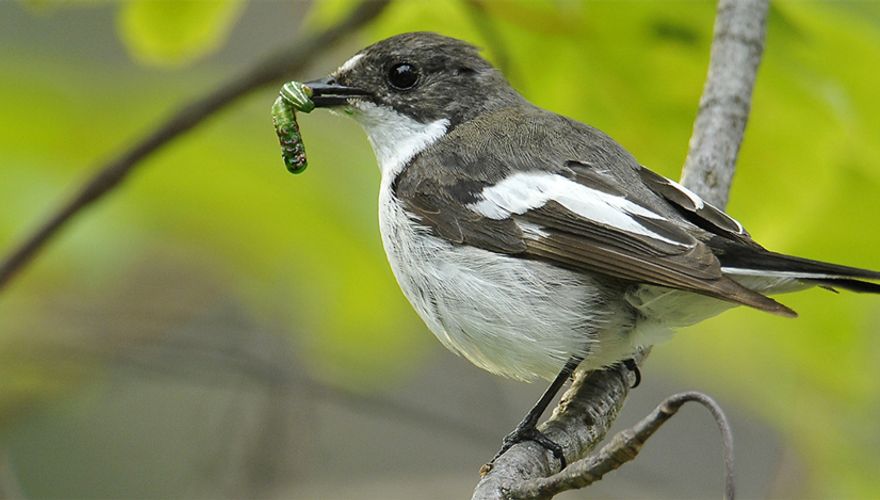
(737, 47)
(588, 409)
(625, 446)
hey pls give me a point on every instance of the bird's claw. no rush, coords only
(631, 365)
(531, 433)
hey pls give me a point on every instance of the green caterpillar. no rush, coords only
(294, 97)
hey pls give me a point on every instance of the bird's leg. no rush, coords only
(527, 429)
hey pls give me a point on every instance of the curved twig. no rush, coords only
(273, 69)
(625, 446)
(737, 46)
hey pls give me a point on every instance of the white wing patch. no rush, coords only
(532, 230)
(524, 191)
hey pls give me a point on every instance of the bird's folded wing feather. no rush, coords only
(580, 219)
(696, 211)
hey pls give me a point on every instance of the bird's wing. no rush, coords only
(694, 209)
(579, 218)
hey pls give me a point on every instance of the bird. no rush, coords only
(534, 245)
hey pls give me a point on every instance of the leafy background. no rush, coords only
(218, 328)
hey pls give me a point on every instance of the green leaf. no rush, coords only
(166, 33)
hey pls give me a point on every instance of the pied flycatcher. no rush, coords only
(530, 243)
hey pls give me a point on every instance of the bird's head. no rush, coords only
(410, 89)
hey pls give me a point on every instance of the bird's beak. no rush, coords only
(327, 92)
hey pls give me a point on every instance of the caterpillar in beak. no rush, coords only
(294, 96)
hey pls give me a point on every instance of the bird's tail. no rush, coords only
(772, 264)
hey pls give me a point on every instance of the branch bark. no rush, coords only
(590, 406)
(273, 69)
(737, 47)
(624, 447)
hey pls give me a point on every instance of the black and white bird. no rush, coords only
(530, 243)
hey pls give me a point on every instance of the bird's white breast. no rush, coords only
(514, 317)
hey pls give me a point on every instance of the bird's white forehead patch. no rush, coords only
(350, 64)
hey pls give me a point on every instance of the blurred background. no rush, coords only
(217, 328)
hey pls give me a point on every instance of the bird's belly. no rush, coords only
(514, 317)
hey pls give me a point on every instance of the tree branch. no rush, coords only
(737, 47)
(590, 406)
(274, 69)
(584, 415)
(625, 446)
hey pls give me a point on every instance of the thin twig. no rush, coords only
(624, 447)
(737, 46)
(273, 69)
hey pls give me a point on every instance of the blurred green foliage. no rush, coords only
(175, 32)
(303, 256)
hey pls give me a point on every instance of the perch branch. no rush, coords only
(594, 400)
(275, 68)
(625, 446)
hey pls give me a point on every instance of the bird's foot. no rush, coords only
(527, 429)
(530, 433)
(631, 365)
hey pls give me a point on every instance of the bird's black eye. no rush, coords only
(403, 76)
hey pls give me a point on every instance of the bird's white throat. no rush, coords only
(396, 138)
